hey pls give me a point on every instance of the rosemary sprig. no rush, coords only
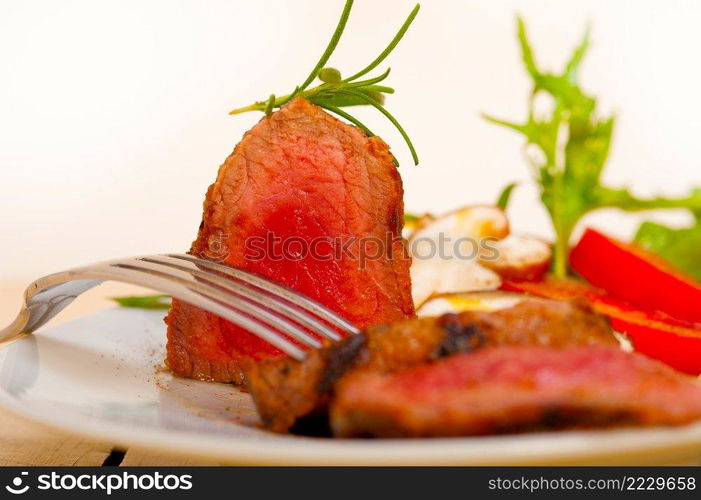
(335, 92)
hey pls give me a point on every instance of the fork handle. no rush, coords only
(44, 299)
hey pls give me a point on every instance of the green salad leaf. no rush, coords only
(680, 247)
(569, 146)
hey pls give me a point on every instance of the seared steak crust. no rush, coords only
(514, 388)
(300, 179)
(285, 390)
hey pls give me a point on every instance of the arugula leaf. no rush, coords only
(144, 301)
(505, 195)
(679, 247)
(572, 144)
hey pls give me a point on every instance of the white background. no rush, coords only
(113, 114)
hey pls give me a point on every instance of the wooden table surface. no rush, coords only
(26, 443)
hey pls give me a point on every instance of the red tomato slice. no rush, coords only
(634, 275)
(653, 333)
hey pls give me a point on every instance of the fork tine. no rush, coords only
(181, 288)
(274, 289)
(250, 293)
(242, 305)
(252, 302)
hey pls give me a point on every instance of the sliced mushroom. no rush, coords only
(478, 221)
(433, 277)
(414, 223)
(518, 257)
(446, 252)
(475, 301)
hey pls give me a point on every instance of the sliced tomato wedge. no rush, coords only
(634, 275)
(653, 333)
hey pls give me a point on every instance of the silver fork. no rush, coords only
(272, 312)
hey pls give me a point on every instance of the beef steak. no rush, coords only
(515, 388)
(285, 390)
(312, 203)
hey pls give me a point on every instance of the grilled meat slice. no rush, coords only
(312, 203)
(285, 390)
(515, 388)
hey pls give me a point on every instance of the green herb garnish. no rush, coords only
(505, 195)
(409, 217)
(336, 92)
(144, 301)
(571, 148)
(680, 247)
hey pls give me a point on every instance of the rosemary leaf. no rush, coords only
(397, 38)
(348, 117)
(329, 48)
(391, 118)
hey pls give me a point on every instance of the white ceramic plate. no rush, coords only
(102, 376)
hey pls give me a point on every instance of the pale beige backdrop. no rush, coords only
(113, 113)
